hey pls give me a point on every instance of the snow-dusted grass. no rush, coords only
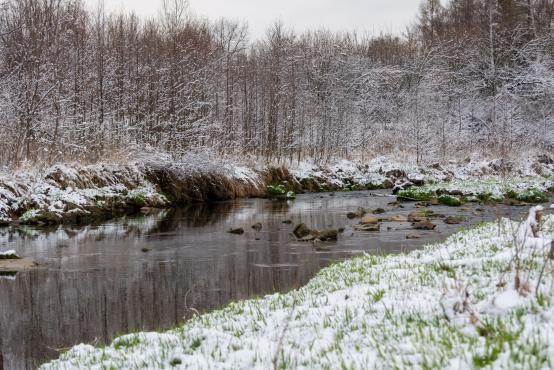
(492, 188)
(453, 305)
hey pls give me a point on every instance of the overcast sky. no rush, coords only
(371, 16)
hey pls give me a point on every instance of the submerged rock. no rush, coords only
(360, 212)
(257, 226)
(413, 236)
(454, 220)
(424, 225)
(330, 235)
(237, 231)
(416, 217)
(398, 218)
(369, 220)
(367, 227)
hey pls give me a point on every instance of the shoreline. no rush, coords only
(458, 303)
(82, 194)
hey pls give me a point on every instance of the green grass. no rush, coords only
(416, 194)
(450, 201)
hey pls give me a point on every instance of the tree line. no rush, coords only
(466, 76)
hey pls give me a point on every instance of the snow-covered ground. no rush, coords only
(482, 298)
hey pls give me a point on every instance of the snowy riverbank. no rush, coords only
(79, 194)
(482, 298)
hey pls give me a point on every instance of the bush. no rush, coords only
(449, 200)
(532, 196)
(276, 190)
(279, 191)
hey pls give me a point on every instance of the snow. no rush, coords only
(8, 253)
(447, 306)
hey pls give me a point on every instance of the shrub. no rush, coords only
(449, 200)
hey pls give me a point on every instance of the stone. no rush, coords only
(327, 235)
(369, 220)
(398, 218)
(454, 220)
(417, 179)
(416, 217)
(424, 225)
(361, 212)
(237, 231)
(413, 236)
(301, 231)
(378, 211)
(367, 227)
(287, 222)
(257, 226)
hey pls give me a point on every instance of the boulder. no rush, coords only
(417, 179)
(237, 231)
(361, 212)
(327, 235)
(367, 227)
(424, 225)
(398, 187)
(395, 174)
(398, 218)
(301, 231)
(416, 217)
(369, 220)
(454, 220)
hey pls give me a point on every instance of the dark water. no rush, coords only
(97, 283)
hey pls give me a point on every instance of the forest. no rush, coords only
(79, 84)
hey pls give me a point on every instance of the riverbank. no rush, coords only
(481, 298)
(81, 194)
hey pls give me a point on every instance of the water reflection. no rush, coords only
(97, 281)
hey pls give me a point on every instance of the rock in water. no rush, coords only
(367, 227)
(257, 226)
(328, 235)
(361, 212)
(454, 220)
(416, 217)
(369, 220)
(237, 231)
(424, 225)
(301, 231)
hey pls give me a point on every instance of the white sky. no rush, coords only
(371, 16)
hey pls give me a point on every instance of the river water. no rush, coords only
(152, 272)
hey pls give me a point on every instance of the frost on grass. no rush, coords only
(491, 188)
(480, 299)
